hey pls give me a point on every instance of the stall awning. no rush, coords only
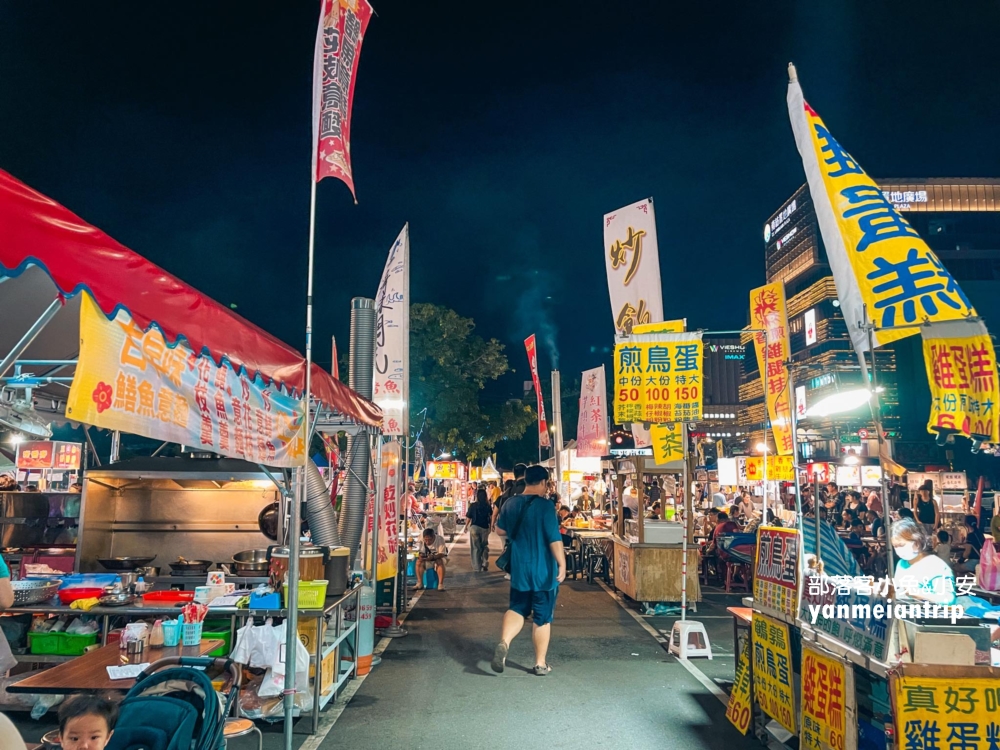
(37, 231)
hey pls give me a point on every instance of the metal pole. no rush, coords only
(116, 445)
(557, 441)
(376, 505)
(800, 521)
(877, 416)
(687, 519)
(36, 328)
(406, 514)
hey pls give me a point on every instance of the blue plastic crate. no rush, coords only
(267, 601)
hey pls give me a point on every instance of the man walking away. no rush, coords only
(537, 564)
(515, 491)
(477, 523)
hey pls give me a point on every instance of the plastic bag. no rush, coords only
(988, 570)
(256, 645)
(274, 678)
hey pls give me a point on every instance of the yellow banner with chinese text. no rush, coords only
(769, 318)
(667, 326)
(739, 710)
(779, 468)
(659, 382)
(956, 712)
(962, 374)
(131, 380)
(668, 443)
(772, 670)
(827, 698)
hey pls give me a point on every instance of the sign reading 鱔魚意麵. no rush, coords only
(659, 382)
(773, 669)
(131, 380)
(776, 570)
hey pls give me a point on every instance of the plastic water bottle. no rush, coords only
(366, 628)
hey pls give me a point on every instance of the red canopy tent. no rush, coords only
(37, 231)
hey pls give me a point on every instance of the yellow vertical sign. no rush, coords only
(739, 710)
(668, 443)
(827, 698)
(772, 670)
(769, 318)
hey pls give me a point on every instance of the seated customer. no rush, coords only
(725, 526)
(920, 574)
(876, 525)
(943, 547)
(433, 555)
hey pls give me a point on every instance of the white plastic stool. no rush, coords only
(688, 638)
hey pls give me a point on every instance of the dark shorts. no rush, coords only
(541, 603)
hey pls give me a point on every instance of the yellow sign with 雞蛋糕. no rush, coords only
(947, 712)
(659, 381)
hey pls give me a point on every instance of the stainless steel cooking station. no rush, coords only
(192, 508)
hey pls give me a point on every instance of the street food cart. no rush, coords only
(648, 557)
(447, 500)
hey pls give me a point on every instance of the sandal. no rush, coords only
(542, 669)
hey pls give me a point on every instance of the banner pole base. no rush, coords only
(394, 631)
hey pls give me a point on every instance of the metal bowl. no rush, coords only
(34, 590)
(251, 557)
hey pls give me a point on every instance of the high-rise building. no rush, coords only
(960, 220)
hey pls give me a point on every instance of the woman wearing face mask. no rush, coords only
(924, 576)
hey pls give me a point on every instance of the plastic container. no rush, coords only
(171, 632)
(167, 597)
(68, 596)
(191, 633)
(312, 594)
(218, 630)
(430, 579)
(61, 644)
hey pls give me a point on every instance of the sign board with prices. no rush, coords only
(776, 570)
(739, 710)
(48, 454)
(828, 703)
(659, 382)
(772, 670)
(779, 468)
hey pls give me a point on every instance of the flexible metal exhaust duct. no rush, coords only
(354, 510)
(319, 510)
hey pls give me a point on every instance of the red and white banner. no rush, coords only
(543, 428)
(342, 26)
(592, 426)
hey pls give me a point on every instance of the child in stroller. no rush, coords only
(86, 722)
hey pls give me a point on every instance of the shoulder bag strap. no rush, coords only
(520, 517)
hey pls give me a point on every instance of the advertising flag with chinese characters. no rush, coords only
(776, 570)
(668, 443)
(342, 26)
(592, 425)
(739, 710)
(879, 262)
(667, 326)
(632, 259)
(130, 380)
(827, 699)
(391, 373)
(779, 468)
(388, 530)
(543, 428)
(772, 670)
(962, 374)
(659, 381)
(769, 314)
(960, 713)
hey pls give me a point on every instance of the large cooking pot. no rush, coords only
(312, 563)
(251, 563)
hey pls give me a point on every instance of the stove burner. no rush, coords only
(187, 573)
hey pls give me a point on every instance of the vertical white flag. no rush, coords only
(632, 259)
(391, 389)
(592, 426)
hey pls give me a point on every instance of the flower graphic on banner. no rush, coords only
(102, 396)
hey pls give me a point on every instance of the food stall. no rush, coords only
(448, 484)
(648, 557)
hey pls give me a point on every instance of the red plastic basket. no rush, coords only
(167, 597)
(68, 596)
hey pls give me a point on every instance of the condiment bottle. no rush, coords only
(140, 586)
(156, 636)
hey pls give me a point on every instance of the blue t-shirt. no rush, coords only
(532, 566)
(4, 570)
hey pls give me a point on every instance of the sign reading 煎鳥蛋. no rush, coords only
(659, 382)
(776, 570)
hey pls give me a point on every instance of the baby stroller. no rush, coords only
(173, 706)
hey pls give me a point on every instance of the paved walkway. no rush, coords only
(612, 685)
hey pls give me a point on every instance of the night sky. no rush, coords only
(501, 131)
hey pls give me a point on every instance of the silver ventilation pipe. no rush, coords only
(354, 510)
(319, 508)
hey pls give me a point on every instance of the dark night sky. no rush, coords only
(502, 132)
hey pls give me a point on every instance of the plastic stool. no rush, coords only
(688, 638)
(430, 579)
(239, 728)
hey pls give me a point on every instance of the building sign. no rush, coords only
(810, 326)
(131, 380)
(948, 714)
(48, 454)
(768, 315)
(772, 670)
(776, 571)
(828, 708)
(903, 199)
(739, 710)
(962, 374)
(780, 221)
(659, 382)
(801, 408)
(630, 245)
(631, 452)
(822, 381)
(729, 351)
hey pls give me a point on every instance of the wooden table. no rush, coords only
(89, 674)
(742, 619)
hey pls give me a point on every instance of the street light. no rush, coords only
(838, 403)
(762, 447)
(444, 455)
